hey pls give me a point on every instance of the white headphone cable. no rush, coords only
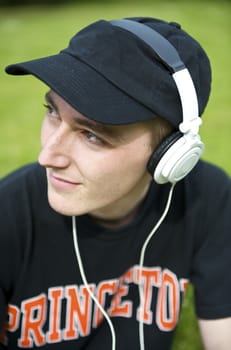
(141, 263)
(83, 276)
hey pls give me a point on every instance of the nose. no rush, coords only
(55, 151)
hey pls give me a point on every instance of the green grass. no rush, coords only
(31, 32)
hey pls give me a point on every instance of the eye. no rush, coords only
(50, 110)
(93, 138)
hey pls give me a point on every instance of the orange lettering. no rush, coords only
(55, 296)
(149, 277)
(79, 304)
(13, 318)
(119, 308)
(104, 288)
(34, 312)
(168, 302)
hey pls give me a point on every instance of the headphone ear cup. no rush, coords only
(175, 157)
(161, 150)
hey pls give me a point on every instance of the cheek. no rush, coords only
(114, 168)
(95, 168)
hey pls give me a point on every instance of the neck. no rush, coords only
(118, 221)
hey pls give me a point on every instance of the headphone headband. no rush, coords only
(169, 56)
(161, 46)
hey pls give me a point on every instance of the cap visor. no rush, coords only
(85, 89)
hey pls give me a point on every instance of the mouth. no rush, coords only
(61, 183)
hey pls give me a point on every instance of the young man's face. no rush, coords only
(93, 168)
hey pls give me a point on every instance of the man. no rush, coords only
(119, 143)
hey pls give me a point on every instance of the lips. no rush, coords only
(62, 183)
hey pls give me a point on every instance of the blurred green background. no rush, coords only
(28, 32)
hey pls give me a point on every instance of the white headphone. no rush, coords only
(176, 156)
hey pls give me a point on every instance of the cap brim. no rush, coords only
(85, 89)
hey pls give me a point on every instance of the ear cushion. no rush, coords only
(161, 150)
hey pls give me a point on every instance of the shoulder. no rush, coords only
(22, 197)
(208, 179)
(211, 171)
(208, 191)
(211, 257)
(202, 202)
(28, 177)
(22, 192)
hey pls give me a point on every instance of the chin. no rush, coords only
(60, 205)
(60, 209)
(66, 205)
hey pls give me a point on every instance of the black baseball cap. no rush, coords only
(111, 76)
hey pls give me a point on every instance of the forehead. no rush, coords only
(75, 117)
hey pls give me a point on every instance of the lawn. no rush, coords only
(31, 32)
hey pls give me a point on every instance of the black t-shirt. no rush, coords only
(41, 289)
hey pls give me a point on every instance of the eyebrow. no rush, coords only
(103, 129)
